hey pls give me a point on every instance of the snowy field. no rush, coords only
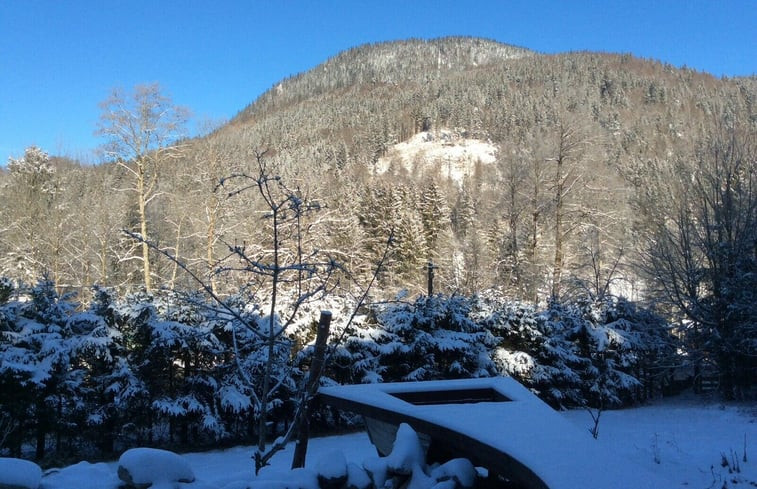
(691, 443)
(684, 440)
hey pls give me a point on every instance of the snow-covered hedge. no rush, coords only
(588, 353)
(168, 370)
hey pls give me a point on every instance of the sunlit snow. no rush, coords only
(451, 153)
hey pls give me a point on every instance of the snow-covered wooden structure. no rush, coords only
(497, 424)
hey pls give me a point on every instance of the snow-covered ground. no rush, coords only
(684, 440)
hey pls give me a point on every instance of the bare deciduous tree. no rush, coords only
(141, 128)
(568, 151)
(284, 262)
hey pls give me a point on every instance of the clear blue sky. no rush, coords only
(59, 58)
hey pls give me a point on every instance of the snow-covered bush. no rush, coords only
(532, 348)
(585, 353)
(190, 342)
(148, 368)
(101, 352)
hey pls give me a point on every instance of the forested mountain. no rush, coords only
(580, 141)
(575, 136)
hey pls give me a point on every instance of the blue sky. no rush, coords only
(59, 58)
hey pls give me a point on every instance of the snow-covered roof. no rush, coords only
(516, 435)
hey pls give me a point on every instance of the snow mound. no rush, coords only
(406, 467)
(407, 452)
(144, 467)
(452, 153)
(332, 470)
(375, 467)
(459, 470)
(18, 473)
(74, 475)
(357, 477)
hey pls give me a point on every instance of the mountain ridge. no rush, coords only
(369, 62)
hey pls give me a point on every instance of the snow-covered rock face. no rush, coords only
(19, 474)
(144, 467)
(451, 153)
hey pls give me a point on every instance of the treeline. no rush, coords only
(168, 370)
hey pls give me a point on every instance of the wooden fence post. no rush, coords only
(430, 282)
(316, 368)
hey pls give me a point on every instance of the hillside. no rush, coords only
(338, 131)
(346, 121)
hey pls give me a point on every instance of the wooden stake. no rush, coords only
(302, 422)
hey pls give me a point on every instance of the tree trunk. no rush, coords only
(558, 262)
(209, 244)
(142, 197)
(271, 336)
(533, 246)
(175, 271)
(41, 430)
